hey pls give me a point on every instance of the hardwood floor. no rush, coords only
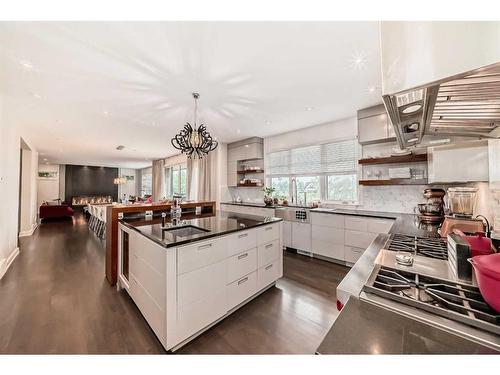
(55, 299)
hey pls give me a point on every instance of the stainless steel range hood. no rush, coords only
(466, 104)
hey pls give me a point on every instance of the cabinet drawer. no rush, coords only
(377, 225)
(241, 264)
(241, 241)
(268, 233)
(352, 254)
(257, 211)
(359, 239)
(200, 254)
(198, 315)
(151, 253)
(152, 312)
(241, 289)
(328, 249)
(268, 252)
(329, 220)
(197, 285)
(268, 274)
(149, 278)
(327, 234)
(356, 223)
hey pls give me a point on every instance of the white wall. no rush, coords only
(48, 189)
(341, 129)
(29, 211)
(9, 187)
(129, 188)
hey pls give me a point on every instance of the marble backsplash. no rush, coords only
(401, 199)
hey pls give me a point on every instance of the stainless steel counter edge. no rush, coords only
(352, 284)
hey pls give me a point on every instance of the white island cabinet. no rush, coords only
(181, 291)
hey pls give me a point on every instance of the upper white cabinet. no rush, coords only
(374, 126)
(461, 162)
(416, 53)
(494, 163)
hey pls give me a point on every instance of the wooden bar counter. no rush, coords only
(114, 212)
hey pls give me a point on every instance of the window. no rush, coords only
(147, 182)
(342, 188)
(308, 188)
(175, 180)
(282, 186)
(323, 172)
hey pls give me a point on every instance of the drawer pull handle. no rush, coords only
(207, 246)
(243, 280)
(243, 235)
(269, 228)
(269, 245)
(242, 256)
(269, 267)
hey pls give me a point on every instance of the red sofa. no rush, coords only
(55, 211)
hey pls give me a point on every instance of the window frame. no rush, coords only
(169, 188)
(323, 177)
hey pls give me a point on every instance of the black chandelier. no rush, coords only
(192, 140)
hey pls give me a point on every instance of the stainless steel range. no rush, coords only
(435, 248)
(450, 299)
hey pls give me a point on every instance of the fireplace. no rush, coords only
(87, 184)
(96, 199)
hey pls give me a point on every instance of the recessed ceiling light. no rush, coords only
(105, 112)
(238, 131)
(372, 88)
(120, 147)
(309, 108)
(26, 64)
(35, 95)
(45, 159)
(268, 122)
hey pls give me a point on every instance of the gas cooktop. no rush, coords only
(428, 247)
(453, 300)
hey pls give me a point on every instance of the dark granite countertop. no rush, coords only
(364, 328)
(251, 204)
(404, 223)
(211, 226)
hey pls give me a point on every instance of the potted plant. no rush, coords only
(268, 195)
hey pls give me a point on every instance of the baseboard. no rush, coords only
(5, 263)
(28, 233)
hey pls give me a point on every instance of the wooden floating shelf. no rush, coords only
(249, 171)
(251, 185)
(395, 159)
(394, 181)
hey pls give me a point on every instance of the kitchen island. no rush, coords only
(188, 274)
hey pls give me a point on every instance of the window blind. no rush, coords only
(329, 158)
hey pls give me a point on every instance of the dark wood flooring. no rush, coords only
(55, 299)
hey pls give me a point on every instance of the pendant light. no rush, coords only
(194, 141)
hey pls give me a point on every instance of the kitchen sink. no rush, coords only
(185, 230)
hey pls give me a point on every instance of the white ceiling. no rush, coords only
(78, 90)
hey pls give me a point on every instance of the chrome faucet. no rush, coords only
(294, 191)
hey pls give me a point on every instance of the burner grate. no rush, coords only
(436, 248)
(452, 300)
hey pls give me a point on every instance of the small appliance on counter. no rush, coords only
(433, 210)
(460, 204)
